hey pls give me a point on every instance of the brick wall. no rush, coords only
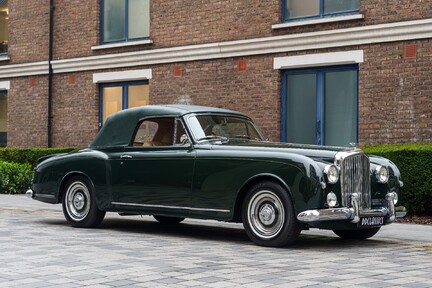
(75, 110)
(396, 94)
(76, 28)
(395, 91)
(27, 112)
(218, 83)
(28, 31)
(174, 23)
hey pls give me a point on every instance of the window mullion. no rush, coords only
(321, 8)
(126, 20)
(125, 101)
(320, 133)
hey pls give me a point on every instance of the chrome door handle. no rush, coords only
(125, 156)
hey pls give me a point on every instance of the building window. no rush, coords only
(320, 106)
(125, 20)
(3, 119)
(118, 96)
(4, 19)
(301, 9)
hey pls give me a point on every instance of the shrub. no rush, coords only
(15, 178)
(415, 163)
(28, 155)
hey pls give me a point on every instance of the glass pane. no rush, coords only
(340, 108)
(338, 6)
(301, 108)
(4, 19)
(139, 19)
(302, 8)
(3, 120)
(138, 95)
(112, 101)
(114, 20)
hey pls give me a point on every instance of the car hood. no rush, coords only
(319, 153)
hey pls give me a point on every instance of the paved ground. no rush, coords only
(39, 249)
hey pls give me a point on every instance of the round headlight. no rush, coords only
(332, 173)
(331, 199)
(381, 174)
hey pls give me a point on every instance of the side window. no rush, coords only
(4, 19)
(300, 9)
(155, 132)
(124, 20)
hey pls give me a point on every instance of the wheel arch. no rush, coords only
(237, 216)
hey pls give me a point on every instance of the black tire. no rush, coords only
(79, 203)
(268, 215)
(168, 220)
(357, 234)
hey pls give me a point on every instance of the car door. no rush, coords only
(154, 173)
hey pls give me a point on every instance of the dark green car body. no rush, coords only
(210, 178)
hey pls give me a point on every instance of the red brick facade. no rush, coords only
(395, 90)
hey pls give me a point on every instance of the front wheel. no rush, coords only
(357, 234)
(268, 215)
(79, 203)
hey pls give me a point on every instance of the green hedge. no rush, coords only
(28, 155)
(15, 178)
(16, 167)
(415, 163)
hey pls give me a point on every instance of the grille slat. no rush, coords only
(355, 177)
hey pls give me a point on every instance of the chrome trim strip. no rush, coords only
(171, 207)
(49, 196)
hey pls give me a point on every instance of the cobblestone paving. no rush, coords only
(39, 249)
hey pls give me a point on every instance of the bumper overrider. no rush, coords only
(354, 214)
(29, 193)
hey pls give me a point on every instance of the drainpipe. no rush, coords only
(50, 72)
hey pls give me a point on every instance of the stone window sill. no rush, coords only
(123, 44)
(4, 57)
(318, 21)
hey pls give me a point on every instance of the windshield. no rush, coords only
(222, 127)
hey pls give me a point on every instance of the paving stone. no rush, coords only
(39, 249)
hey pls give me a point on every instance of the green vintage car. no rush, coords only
(181, 161)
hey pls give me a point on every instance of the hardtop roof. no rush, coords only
(119, 127)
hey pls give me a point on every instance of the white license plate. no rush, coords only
(372, 221)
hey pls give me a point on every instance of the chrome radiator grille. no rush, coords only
(355, 177)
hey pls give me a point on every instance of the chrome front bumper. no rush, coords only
(353, 214)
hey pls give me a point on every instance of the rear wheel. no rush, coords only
(79, 203)
(168, 220)
(268, 215)
(357, 234)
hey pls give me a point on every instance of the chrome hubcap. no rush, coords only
(266, 214)
(77, 201)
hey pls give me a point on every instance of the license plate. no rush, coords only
(371, 221)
